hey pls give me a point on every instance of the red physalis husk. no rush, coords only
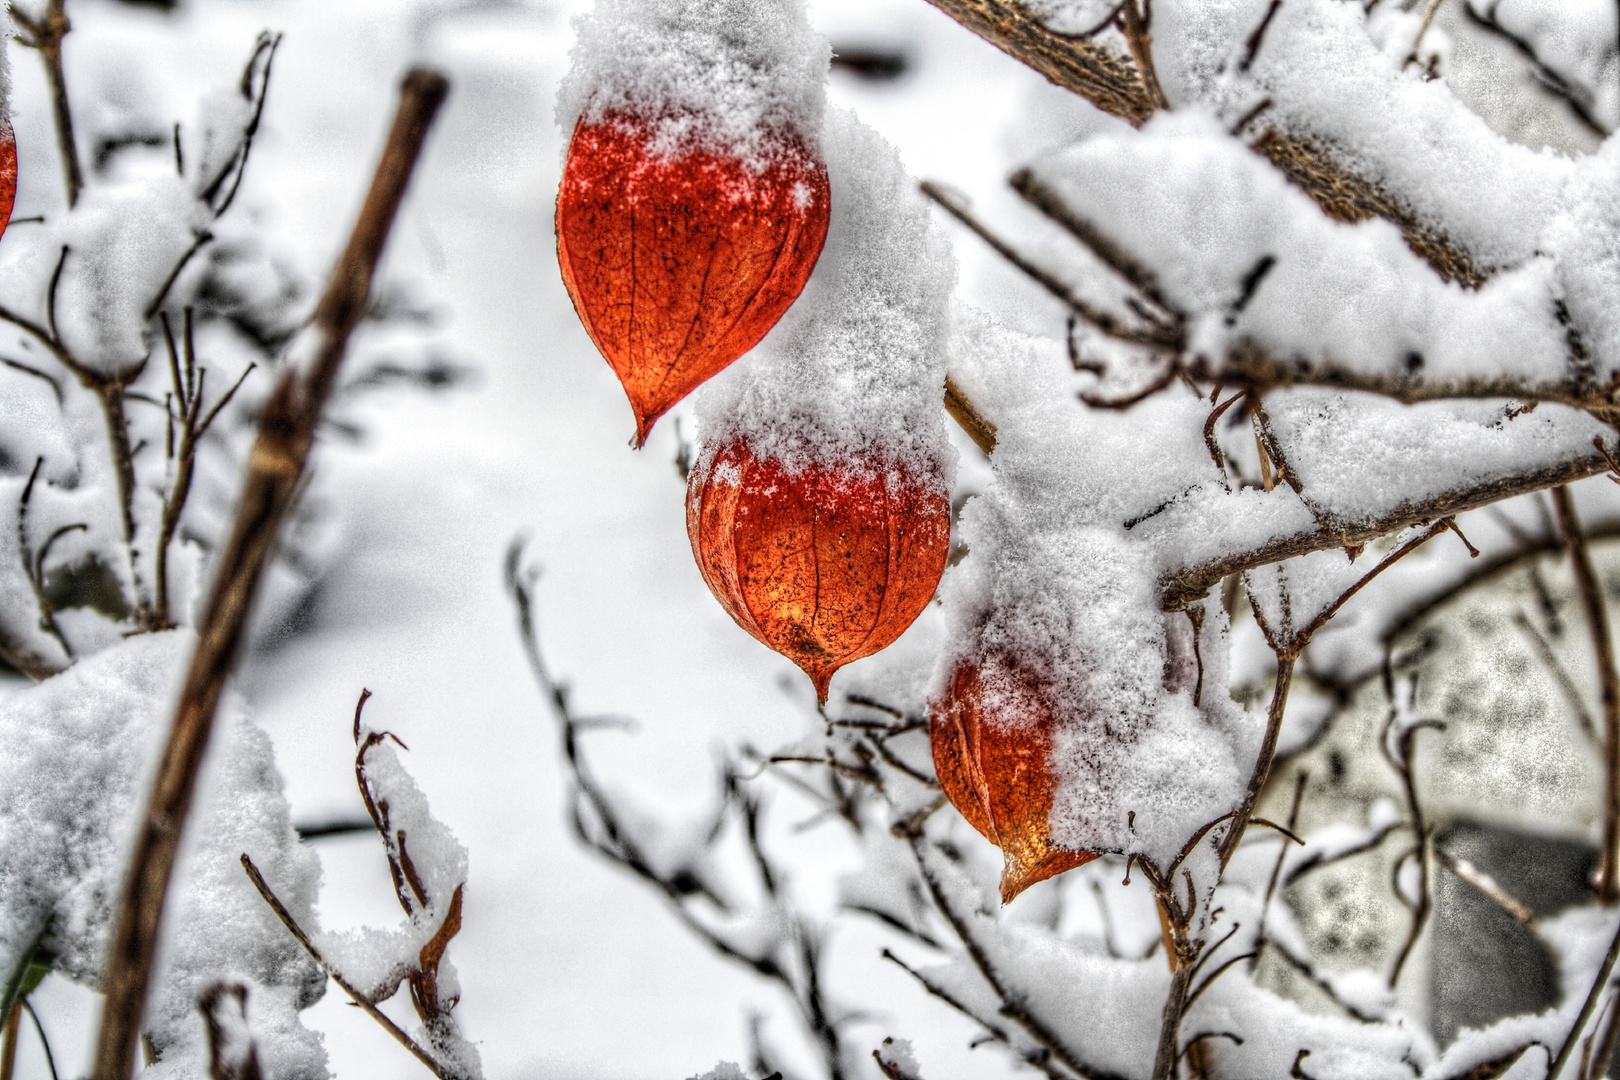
(991, 735)
(679, 263)
(825, 564)
(8, 172)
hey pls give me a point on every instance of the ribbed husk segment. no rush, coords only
(826, 564)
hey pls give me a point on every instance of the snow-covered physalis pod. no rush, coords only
(679, 261)
(991, 731)
(825, 564)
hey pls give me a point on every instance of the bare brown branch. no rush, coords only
(1096, 73)
(286, 432)
(1607, 884)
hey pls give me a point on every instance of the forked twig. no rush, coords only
(45, 35)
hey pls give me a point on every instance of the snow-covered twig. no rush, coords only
(1155, 334)
(1578, 98)
(45, 34)
(286, 432)
(355, 995)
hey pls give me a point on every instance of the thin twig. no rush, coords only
(286, 432)
(1262, 763)
(1049, 202)
(1105, 322)
(1580, 104)
(1251, 48)
(33, 565)
(1140, 41)
(1400, 760)
(1466, 871)
(1300, 780)
(371, 1010)
(44, 1042)
(1549, 660)
(1607, 883)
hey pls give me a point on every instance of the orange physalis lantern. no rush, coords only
(678, 262)
(991, 735)
(8, 172)
(825, 564)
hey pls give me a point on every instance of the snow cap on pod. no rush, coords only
(723, 75)
(819, 508)
(854, 373)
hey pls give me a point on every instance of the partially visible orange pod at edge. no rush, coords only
(8, 172)
(990, 730)
(679, 260)
(825, 563)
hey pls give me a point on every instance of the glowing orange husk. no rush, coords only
(825, 565)
(8, 172)
(992, 749)
(679, 265)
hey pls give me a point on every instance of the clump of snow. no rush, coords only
(726, 1070)
(1199, 207)
(854, 373)
(80, 749)
(732, 74)
(122, 243)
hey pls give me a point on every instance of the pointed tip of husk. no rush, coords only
(823, 682)
(1023, 868)
(820, 676)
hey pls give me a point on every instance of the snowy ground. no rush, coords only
(568, 967)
